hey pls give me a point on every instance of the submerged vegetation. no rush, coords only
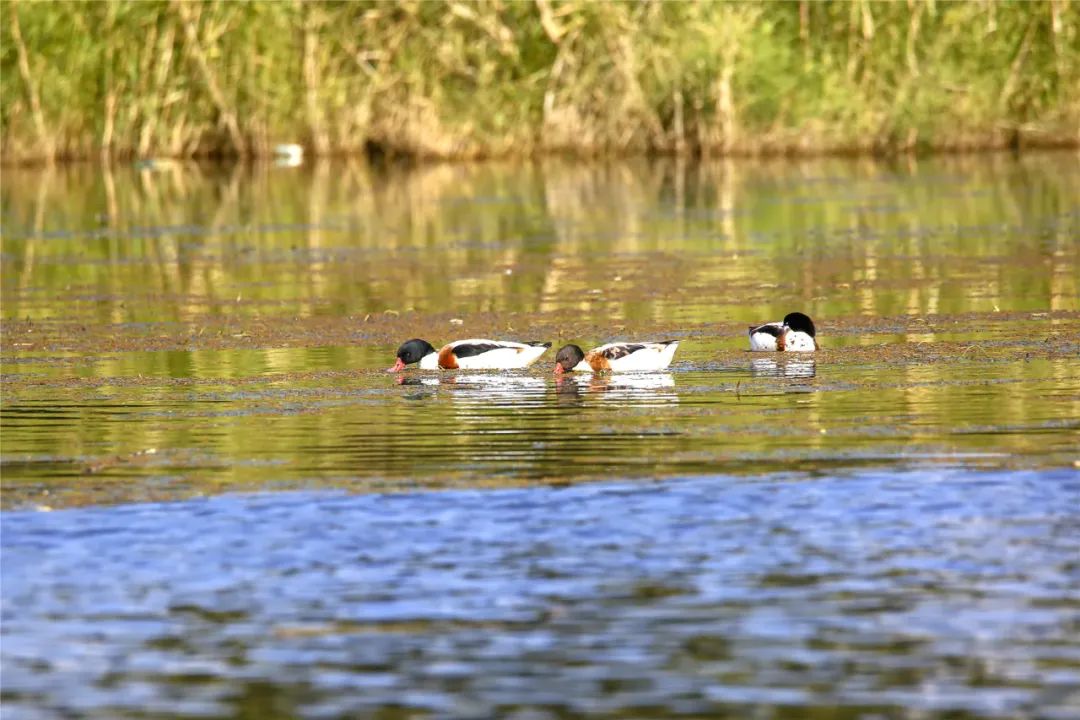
(462, 79)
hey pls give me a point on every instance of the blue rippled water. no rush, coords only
(945, 593)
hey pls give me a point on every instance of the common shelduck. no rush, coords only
(616, 357)
(795, 334)
(472, 354)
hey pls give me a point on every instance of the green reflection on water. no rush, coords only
(640, 240)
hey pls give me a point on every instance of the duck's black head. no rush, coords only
(567, 358)
(411, 351)
(799, 323)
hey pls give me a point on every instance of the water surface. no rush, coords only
(913, 594)
(887, 528)
(200, 328)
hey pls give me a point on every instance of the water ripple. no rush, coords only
(943, 591)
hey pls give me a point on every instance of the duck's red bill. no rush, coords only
(398, 366)
(558, 369)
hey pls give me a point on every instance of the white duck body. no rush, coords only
(795, 334)
(629, 357)
(763, 337)
(797, 341)
(482, 354)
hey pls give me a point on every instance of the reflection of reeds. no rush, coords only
(457, 79)
(664, 241)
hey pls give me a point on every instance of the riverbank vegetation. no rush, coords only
(460, 79)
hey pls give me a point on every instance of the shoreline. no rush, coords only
(764, 151)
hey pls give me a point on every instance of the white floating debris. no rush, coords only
(155, 164)
(288, 154)
(457, 321)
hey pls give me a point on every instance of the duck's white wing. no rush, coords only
(638, 356)
(483, 354)
(763, 337)
(485, 343)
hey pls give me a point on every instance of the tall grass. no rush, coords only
(464, 79)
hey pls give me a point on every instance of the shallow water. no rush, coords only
(885, 528)
(196, 329)
(155, 438)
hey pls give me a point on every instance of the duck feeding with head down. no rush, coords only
(795, 334)
(616, 357)
(472, 354)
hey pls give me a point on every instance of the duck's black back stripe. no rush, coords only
(467, 350)
(618, 351)
(768, 330)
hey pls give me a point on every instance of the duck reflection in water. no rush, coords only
(650, 387)
(568, 389)
(786, 366)
(481, 387)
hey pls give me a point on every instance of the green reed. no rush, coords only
(464, 79)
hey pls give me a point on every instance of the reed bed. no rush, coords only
(461, 79)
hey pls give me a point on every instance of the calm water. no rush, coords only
(886, 529)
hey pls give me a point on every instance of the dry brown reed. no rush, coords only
(458, 79)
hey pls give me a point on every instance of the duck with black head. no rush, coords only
(795, 334)
(416, 351)
(472, 354)
(616, 357)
